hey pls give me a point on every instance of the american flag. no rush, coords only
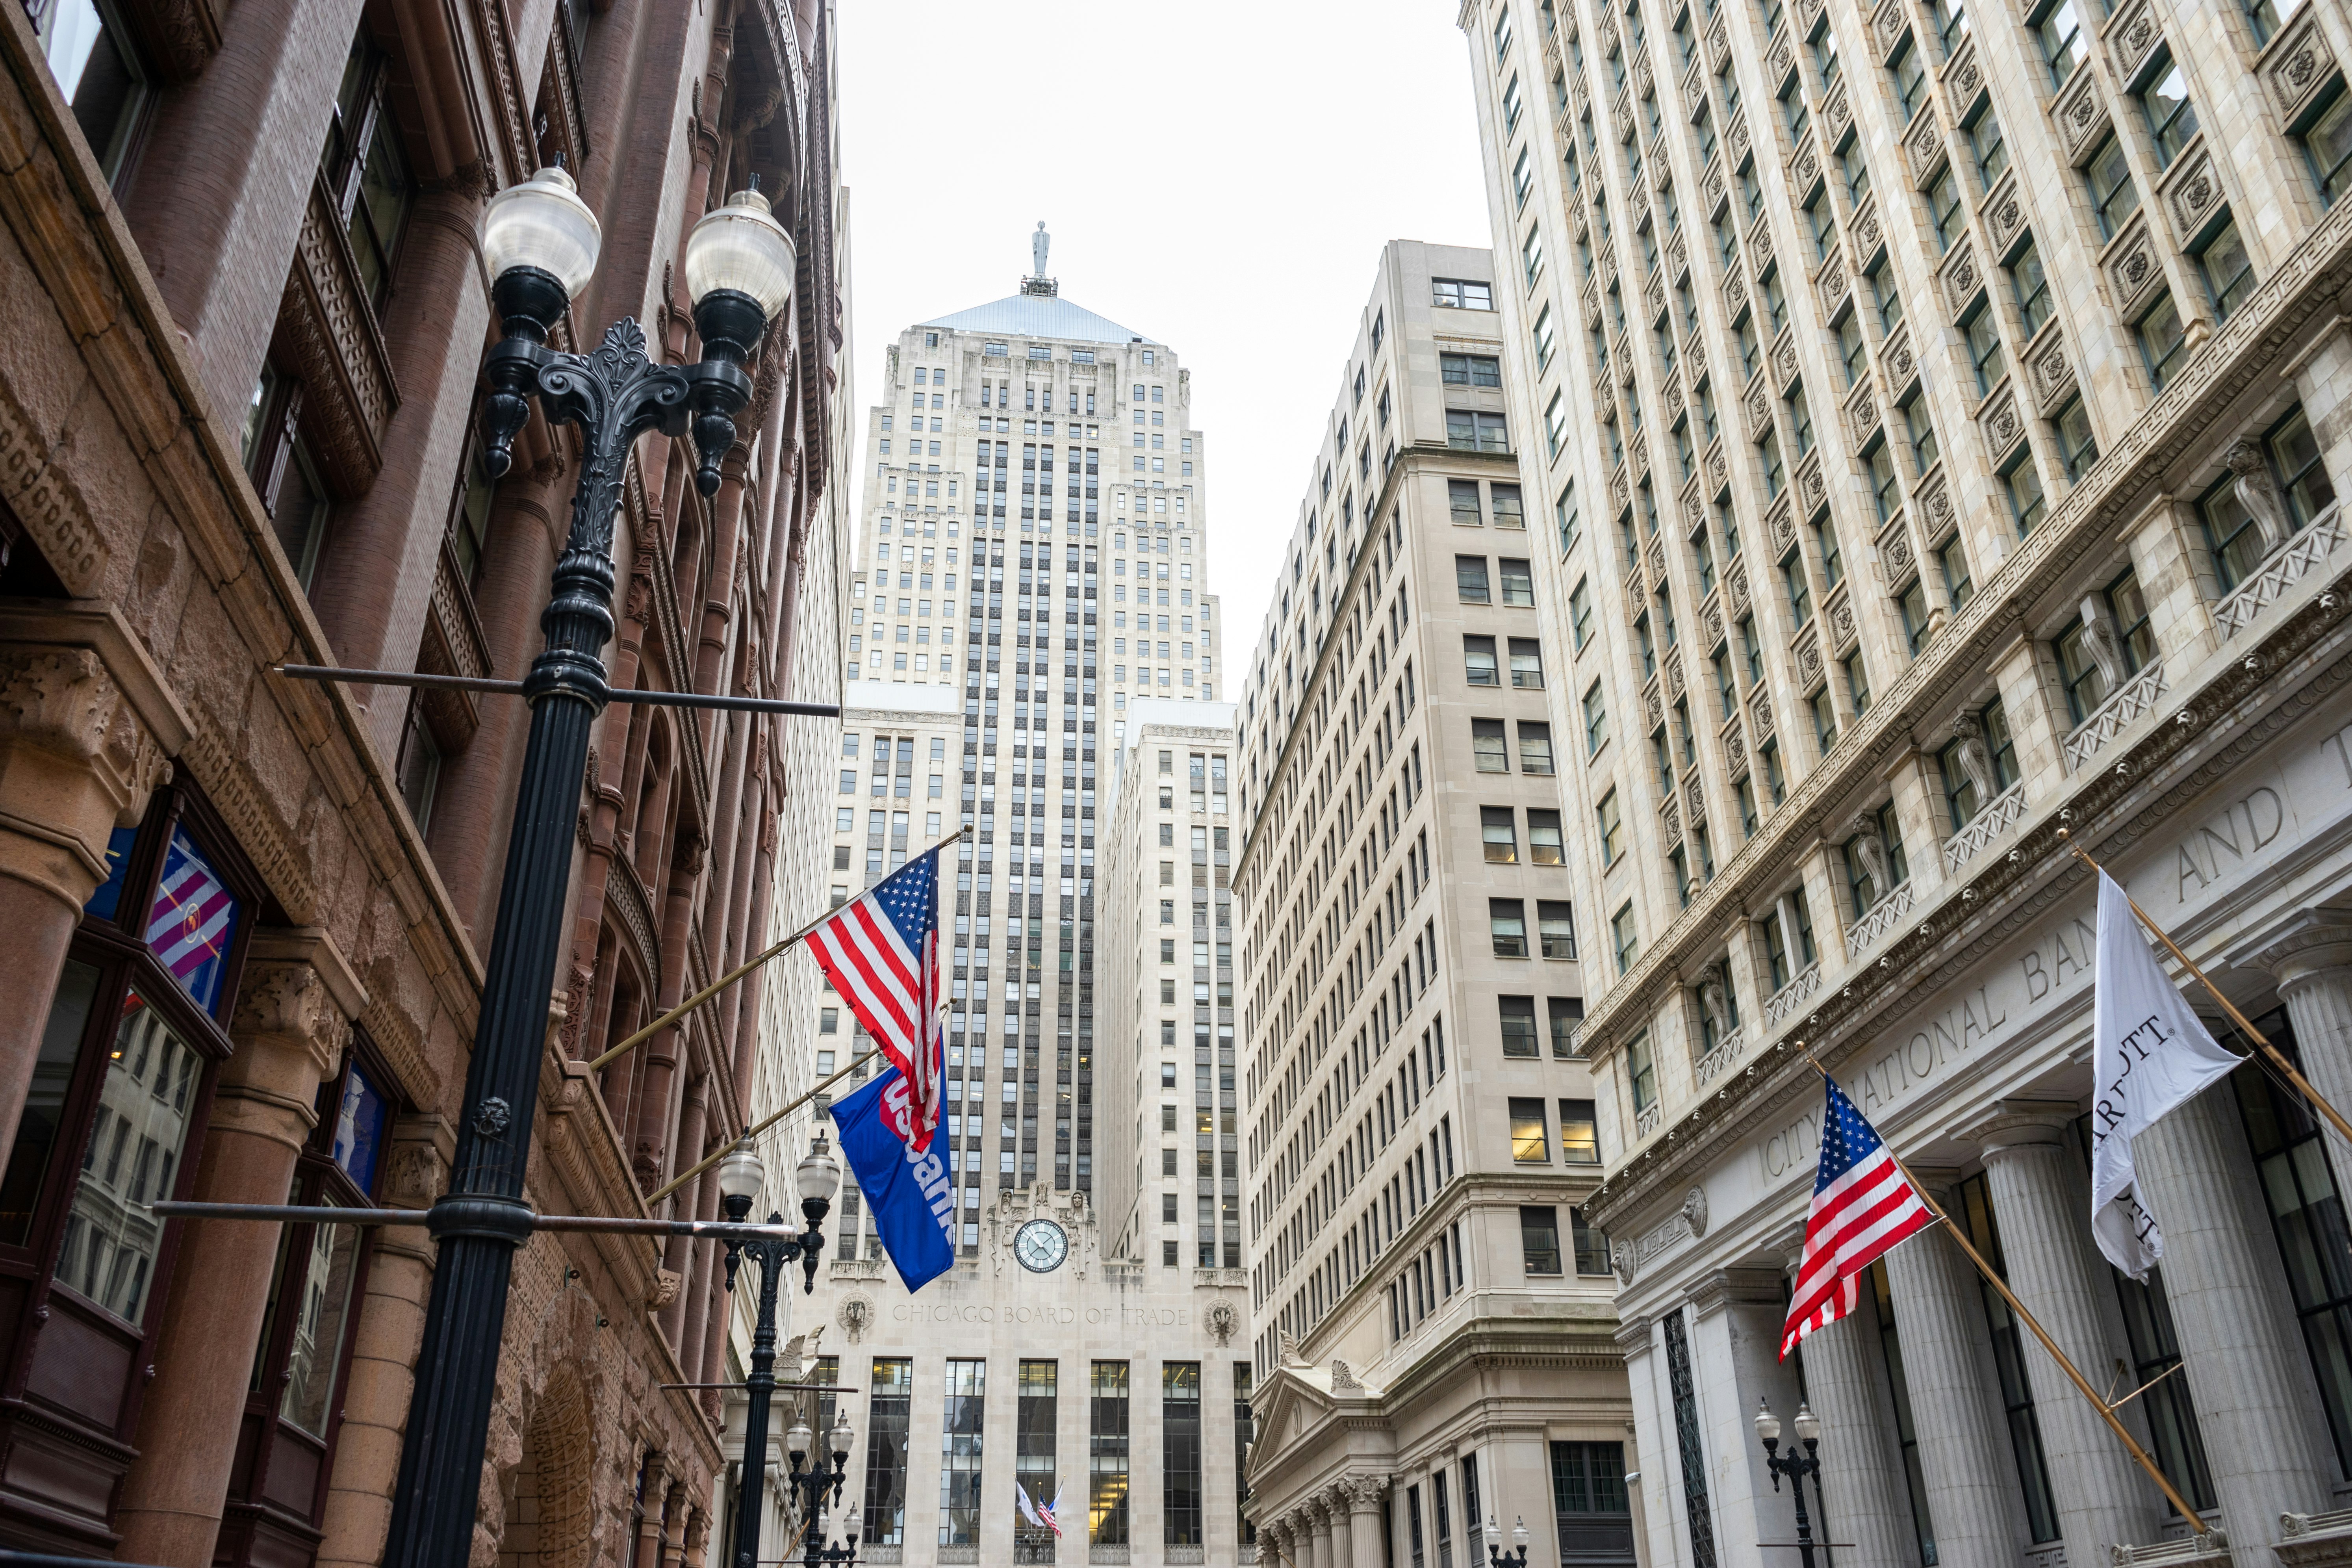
(193, 917)
(1863, 1204)
(881, 950)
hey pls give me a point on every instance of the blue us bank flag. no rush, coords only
(912, 1199)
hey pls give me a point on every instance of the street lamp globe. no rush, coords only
(1808, 1425)
(540, 243)
(739, 266)
(1494, 1532)
(839, 1441)
(1519, 1534)
(740, 1177)
(797, 1440)
(1768, 1426)
(818, 1177)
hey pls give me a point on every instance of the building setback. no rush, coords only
(1942, 412)
(1433, 1327)
(241, 315)
(990, 628)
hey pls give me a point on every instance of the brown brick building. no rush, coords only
(241, 315)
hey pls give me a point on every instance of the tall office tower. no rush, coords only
(1430, 1310)
(1171, 1187)
(1051, 1356)
(1941, 412)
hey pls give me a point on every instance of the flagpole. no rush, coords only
(2074, 1374)
(2278, 1057)
(740, 970)
(756, 1129)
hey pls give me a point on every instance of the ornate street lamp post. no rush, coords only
(818, 1484)
(1496, 1556)
(740, 1177)
(540, 243)
(1795, 1466)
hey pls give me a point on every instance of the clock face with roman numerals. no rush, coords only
(1041, 1246)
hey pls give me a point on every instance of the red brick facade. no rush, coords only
(241, 317)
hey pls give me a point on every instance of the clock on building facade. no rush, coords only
(1041, 1246)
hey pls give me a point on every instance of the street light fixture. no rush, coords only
(1496, 1556)
(1796, 1466)
(541, 243)
(740, 1176)
(819, 1484)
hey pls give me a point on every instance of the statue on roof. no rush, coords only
(1039, 243)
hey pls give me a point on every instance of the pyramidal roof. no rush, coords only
(1036, 315)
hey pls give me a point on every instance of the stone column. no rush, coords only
(2312, 962)
(2266, 1440)
(1735, 1343)
(390, 1326)
(293, 1015)
(1334, 1500)
(1965, 1454)
(2043, 1208)
(86, 730)
(1866, 1498)
(1362, 1497)
(651, 1498)
(1319, 1527)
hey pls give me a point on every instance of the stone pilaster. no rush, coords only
(2266, 1441)
(1736, 1362)
(1964, 1449)
(2041, 1202)
(293, 1018)
(1319, 1533)
(86, 730)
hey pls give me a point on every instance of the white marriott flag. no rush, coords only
(2150, 1053)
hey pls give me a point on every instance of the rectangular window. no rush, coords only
(1506, 924)
(1590, 1505)
(1579, 613)
(1457, 294)
(1470, 580)
(2078, 447)
(1478, 666)
(1519, 582)
(2129, 637)
(1180, 1441)
(2163, 104)
(1489, 746)
(887, 1405)
(1530, 1139)
(2027, 502)
(1035, 1414)
(960, 1427)
(2114, 196)
(2228, 270)
(1538, 1222)
(1526, 664)
(1544, 847)
(1624, 937)
(2065, 47)
(1107, 1453)
(1509, 512)
(2163, 341)
(1462, 501)
(2327, 145)
(1498, 828)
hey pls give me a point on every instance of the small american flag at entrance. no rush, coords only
(881, 950)
(1863, 1205)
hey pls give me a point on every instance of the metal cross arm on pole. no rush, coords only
(608, 1225)
(515, 689)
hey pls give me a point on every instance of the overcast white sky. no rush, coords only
(1218, 175)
